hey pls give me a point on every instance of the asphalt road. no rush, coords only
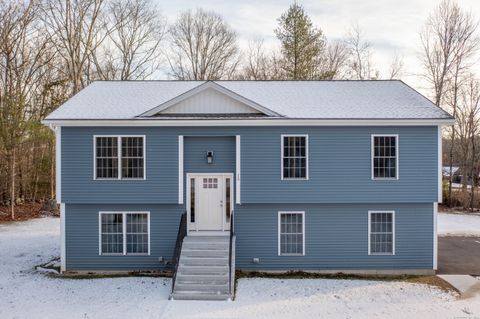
(459, 255)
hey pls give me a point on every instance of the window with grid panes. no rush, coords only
(106, 149)
(129, 228)
(108, 157)
(132, 157)
(294, 157)
(137, 233)
(381, 233)
(291, 234)
(385, 157)
(112, 234)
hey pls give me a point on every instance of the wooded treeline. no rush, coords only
(51, 49)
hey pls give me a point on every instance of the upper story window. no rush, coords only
(294, 156)
(112, 163)
(384, 156)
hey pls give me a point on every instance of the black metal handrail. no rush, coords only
(182, 232)
(232, 232)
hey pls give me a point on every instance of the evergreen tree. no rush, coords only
(302, 45)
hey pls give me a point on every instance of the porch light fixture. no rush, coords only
(209, 157)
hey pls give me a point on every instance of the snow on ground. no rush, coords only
(458, 225)
(26, 293)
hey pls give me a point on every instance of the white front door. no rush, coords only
(209, 199)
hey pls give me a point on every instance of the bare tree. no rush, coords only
(132, 48)
(334, 62)
(467, 128)
(396, 67)
(77, 29)
(449, 42)
(22, 49)
(360, 62)
(203, 47)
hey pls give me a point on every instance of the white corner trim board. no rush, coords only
(435, 236)
(440, 165)
(238, 169)
(63, 254)
(180, 169)
(58, 164)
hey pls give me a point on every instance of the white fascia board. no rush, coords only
(203, 87)
(253, 122)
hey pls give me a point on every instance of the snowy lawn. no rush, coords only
(458, 224)
(25, 293)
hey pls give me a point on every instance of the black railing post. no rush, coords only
(232, 229)
(182, 232)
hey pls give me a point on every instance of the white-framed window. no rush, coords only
(294, 161)
(381, 233)
(124, 233)
(291, 233)
(119, 157)
(384, 156)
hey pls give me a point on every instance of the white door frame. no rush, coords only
(192, 227)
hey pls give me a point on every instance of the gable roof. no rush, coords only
(325, 100)
(202, 88)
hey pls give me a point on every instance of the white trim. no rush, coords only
(58, 164)
(124, 232)
(249, 122)
(306, 178)
(209, 85)
(180, 169)
(279, 232)
(63, 254)
(238, 165)
(119, 156)
(440, 165)
(435, 236)
(393, 232)
(397, 157)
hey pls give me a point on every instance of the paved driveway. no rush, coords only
(459, 255)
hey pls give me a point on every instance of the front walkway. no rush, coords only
(25, 293)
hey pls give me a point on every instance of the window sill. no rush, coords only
(291, 255)
(385, 179)
(119, 179)
(294, 179)
(381, 254)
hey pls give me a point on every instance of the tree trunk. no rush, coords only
(12, 184)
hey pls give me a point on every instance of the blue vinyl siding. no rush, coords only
(336, 237)
(82, 237)
(339, 165)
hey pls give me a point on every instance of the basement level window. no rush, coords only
(124, 233)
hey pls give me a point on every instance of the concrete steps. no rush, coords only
(203, 270)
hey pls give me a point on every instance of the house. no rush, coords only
(323, 176)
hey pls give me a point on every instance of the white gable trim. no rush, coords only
(203, 87)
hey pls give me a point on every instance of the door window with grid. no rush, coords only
(294, 157)
(124, 233)
(291, 233)
(382, 232)
(126, 163)
(385, 157)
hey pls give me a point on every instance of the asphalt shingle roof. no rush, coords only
(291, 99)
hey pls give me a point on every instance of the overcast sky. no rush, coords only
(392, 26)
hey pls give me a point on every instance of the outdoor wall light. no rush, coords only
(209, 157)
(256, 260)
